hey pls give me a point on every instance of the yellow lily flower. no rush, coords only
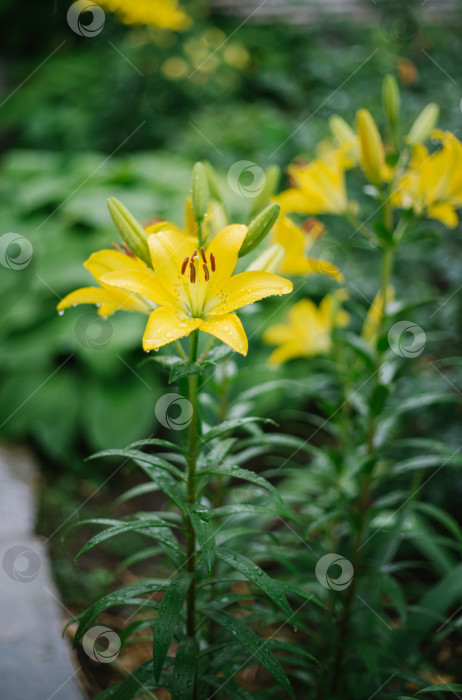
(107, 299)
(432, 185)
(308, 331)
(195, 289)
(165, 14)
(374, 316)
(295, 242)
(319, 188)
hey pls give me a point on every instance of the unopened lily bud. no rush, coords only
(200, 191)
(391, 99)
(423, 125)
(342, 132)
(130, 229)
(212, 179)
(272, 177)
(259, 228)
(371, 148)
(268, 261)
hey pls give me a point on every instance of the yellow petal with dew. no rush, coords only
(166, 325)
(137, 282)
(227, 328)
(248, 287)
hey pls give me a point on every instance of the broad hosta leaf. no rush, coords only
(205, 533)
(120, 597)
(255, 574)
(254, 644)
(167, 619)
(229, 425)
(184, 672)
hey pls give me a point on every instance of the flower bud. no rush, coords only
(212, 179)
(423, 125)
(131, 231)
(342, 132)
(200, 191)
(391, 99)
(259, 228)
(371, 148)
(268, 261)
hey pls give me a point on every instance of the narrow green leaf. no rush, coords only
(185, 369)
(277, 510)
(442, 688)
(144, 528)
(255, 574)
(184, 672)
(167, 618)
(233, 691)
(229, 425)
(120, 597)
(205, 533)
(236, 472)
(256, 646)
(156, 442)
(138, 455)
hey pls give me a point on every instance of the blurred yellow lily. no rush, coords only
(319, 188)
(371, 326)
(165, 14)
(308, 330)
(107, 299)
(195, 289)
(432, 185)
(294, 243)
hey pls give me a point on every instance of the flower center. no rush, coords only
(199, 271)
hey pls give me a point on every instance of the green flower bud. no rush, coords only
(212, 179)
(259, 228)
(342, 132)
(200, 191)
(130, 230)
(391, 99)
(425, 122)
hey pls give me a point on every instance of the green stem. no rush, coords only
(191, 490)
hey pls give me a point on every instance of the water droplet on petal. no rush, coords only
(61, 312)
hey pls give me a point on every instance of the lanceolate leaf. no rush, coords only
(279, 510)
(139, 456)
(229, 425)
(157, 442)
(255, 645)
(205, 533)
(255, 574)
(245, 474)
(120, 597)
(442, 688)
(185, 670)
(167, 619)
(150, 527)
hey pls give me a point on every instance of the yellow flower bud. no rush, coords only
(423, 125)
(130, 230)
(343, 133)
(371, 148)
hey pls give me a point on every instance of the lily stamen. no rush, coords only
(203, 256)
(184, 265)
(192, 272)
(212, 262)
(206, 272)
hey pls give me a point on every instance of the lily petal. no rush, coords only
(285, 352)
(225, 249)
(247, 287)
(229, 329)
(135, 281)
(107, 300)
(166, 325)
(107, 260)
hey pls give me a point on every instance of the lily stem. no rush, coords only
(191, 490)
